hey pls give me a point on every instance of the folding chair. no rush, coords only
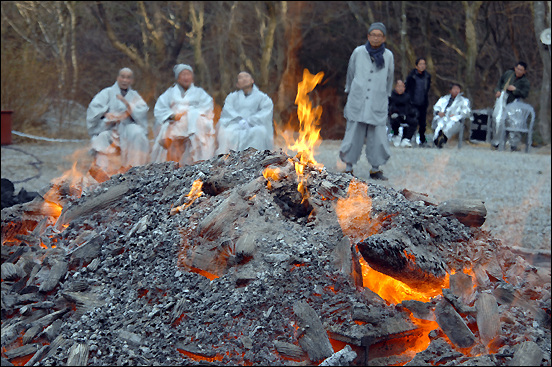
(520, 117)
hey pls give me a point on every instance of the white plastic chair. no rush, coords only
(520, 117)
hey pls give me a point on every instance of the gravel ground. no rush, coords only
(515, 186)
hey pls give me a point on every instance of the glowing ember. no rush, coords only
(393, 290)
(194, 193)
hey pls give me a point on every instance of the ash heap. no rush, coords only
(239, 260)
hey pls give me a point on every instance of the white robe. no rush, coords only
(129, 135)
(454, 117)
(195, 129)
(258, 130)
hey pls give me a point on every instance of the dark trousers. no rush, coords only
(422, 115)
(408, 131)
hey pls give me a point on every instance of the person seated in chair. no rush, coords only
(246, 118)
(401, 111)
(448, 115)
(513, 85)
(183, 129)
(117, 122)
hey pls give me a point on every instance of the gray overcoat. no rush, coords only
(368, 88)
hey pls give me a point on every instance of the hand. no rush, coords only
(394, 115)
(511, 88)
(441, 114)
(112, 117)
(178, 116)
(244, 124)
(497, 94)
(122, 99)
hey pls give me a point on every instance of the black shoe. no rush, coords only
(514, 148)
(494, 147)
(441, 140)
(378, 175)
(350, 171)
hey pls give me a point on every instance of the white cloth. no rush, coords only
(454, 117)
(129, 135)
(245, 121)
(195, 128)
(368, 88)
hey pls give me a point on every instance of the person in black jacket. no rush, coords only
(418, 83)
(401, 111)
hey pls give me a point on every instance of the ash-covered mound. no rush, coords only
(247, 271)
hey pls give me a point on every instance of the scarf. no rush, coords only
(376, 54)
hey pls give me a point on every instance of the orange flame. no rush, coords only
(309, 135)
(195, 192)
(353, 212)
(71, 178)
(271, 174)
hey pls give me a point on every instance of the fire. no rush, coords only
(309, 134)
(70, 181)
(393, 290)
(195, 192)
(353, 212)
(271, 174)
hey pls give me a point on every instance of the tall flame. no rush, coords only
(309, 134)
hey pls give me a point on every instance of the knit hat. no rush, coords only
(378, 26)
(179, 68)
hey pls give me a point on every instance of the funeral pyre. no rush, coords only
(227, 262)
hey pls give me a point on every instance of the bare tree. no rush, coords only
(541, 14)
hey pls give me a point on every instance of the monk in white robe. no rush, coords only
(246, 118)
(117, 122)
(449, 114)
(183, 129)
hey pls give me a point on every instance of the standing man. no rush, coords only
(512, 85)
(117, 122)
(183, 127)
(246, 118)
(449, 114)
(369, 85)
(418, 83)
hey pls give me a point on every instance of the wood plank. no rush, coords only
(470, 212)
(453, 325)
(314, 340)
(488, 318)
(92, 205)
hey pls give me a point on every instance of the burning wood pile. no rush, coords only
(227, 262)
(262, 258)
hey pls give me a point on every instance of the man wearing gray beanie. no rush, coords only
(184, 130)
(369, 84)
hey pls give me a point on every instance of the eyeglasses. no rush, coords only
(377, 35)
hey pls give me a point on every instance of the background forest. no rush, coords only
(55, 53)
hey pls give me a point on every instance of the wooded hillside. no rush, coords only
(70, 50)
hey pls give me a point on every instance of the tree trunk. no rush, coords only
(268, 44)
(71, 8)
(471, 10)
(197, 17)
(287, 88)
(541, 17)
